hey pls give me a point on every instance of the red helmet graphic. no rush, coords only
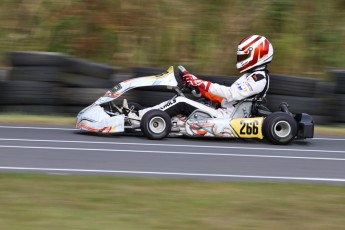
(253, 51)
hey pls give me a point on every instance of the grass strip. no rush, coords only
(36, 119)
(42, 201)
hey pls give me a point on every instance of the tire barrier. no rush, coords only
(88, 68)
(56, 67)
(28, 93)
(3, 74)
(78, 96)
(319, 108)
(338, 77)
(303, 94)
(35, 73)
(45, 79)
(36, 109)
(86, 74)
(31, 58)
(140, 71)
(292, 85)
(83, 81)
(43, 82)
(340, 108)
(148, 71)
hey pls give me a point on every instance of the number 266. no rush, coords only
(249, 127)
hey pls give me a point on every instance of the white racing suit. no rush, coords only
(255, 82)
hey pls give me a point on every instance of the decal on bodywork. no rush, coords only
(247, 127)
(168, 104)
(217, 127)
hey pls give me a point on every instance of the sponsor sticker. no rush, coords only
(171, 102)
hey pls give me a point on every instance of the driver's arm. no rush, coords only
(244, 87)
(211, 96)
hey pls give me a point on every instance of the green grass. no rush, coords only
(36, 119)
(37, 201)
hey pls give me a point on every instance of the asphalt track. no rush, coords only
(63, 150)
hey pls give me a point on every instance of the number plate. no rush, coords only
(247, 127)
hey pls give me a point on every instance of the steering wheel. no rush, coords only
(194, 89)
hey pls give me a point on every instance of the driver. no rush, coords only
(253, 55)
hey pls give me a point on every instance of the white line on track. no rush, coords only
(171, 174)
(329, 139)
(170, 152)
(176, 145)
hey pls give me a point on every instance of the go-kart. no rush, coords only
(251, 119)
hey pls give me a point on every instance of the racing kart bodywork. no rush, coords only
(251, 119)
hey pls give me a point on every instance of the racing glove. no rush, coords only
(194, 81)
(203, 87)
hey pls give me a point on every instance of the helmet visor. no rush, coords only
(243, 55)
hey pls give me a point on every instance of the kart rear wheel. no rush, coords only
(279, 128)
(155, 124)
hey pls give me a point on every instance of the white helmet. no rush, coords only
(253, 51)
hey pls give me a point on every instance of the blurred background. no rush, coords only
(202, 34)
(308, 39)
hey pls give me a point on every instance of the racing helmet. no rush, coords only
(253, 51)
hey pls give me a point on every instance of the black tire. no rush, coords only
(79, 96)
(33, 109)
(27, 58)
(3, 74)
(340, 108)
(86, 96)
(338, 76)
(35, 73)
(120, 77)
(279, 128)
(89, 68)
(141, 71)
(310, 105)
(155, 124)
(82, 81)
(28, 93)
(292, 85)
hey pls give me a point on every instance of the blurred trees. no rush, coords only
(307, 36)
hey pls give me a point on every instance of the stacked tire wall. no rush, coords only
(54, 83)
(82, 82)
(31, 82)
(303, 95)
(338, 109)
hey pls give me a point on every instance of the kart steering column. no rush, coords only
(194, 89)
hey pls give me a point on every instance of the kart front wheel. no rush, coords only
(279, 128)
(155, 124)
